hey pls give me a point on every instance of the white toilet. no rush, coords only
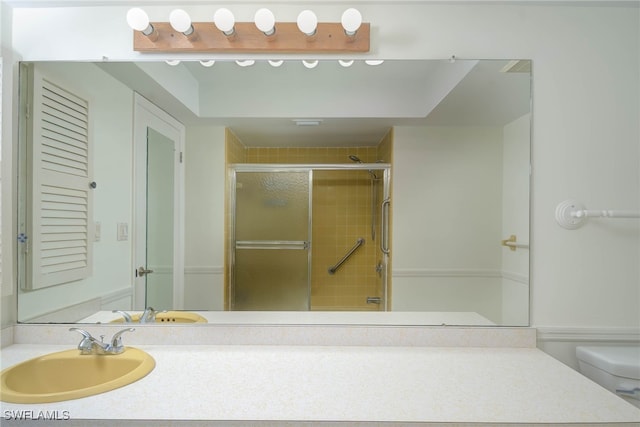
(615, 368)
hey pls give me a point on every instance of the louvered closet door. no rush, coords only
(61, 198)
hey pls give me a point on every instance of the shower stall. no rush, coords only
(308, 236)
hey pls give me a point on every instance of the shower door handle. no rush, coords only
(384, 215)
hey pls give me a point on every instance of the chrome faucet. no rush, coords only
(149, 315)
(127, 316)
(90, 345)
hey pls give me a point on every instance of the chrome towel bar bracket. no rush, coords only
(571, 214)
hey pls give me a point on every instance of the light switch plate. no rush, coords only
(123, 231)
(96, 231)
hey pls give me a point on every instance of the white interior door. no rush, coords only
(159, 208)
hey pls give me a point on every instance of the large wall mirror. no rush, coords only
(411, 177)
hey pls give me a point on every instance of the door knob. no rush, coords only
(143, 271)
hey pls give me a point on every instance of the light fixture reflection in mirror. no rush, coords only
(419, 149)
(310, 64)
(245, 62)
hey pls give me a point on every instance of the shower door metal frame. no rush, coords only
(271, 245)
(308, 168)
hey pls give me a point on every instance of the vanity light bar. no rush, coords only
(248, 37)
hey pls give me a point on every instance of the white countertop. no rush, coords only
(346, 383)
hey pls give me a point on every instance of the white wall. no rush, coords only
(515, 220)
(447, 216)
(204, 206)
(585, 119)
(473, 192)
(110, 112)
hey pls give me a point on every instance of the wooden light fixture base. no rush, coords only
(329, 38)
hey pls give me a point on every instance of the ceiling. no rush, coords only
(340, 106)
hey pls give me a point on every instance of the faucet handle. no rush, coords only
(149, 315)
(116, 340)
(86, 344)
(127, 316)
(83, 332)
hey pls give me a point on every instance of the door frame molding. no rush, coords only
(146, 114)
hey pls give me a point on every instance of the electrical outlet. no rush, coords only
(123, 231)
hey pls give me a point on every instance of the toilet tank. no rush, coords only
(616, 368)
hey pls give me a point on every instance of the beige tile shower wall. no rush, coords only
(235, 151)
(341, 214)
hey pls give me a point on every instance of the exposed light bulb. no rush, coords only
(351, 21)
(345, 63)
(307, 22)
(276, 63)
(265, 21)
(208, 63)
(172, 62)
(225, 21)
(181, 22)
(138, 20)
(374, 61)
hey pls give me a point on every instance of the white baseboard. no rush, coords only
(196, 269)
(442, 272)
(461, 272)
(203, 270)
(564, 334)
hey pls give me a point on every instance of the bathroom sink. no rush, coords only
(69, 375)
(170, 317)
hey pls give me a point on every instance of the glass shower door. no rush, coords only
(271, 265)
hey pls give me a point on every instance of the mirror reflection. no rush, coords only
(395, 193)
